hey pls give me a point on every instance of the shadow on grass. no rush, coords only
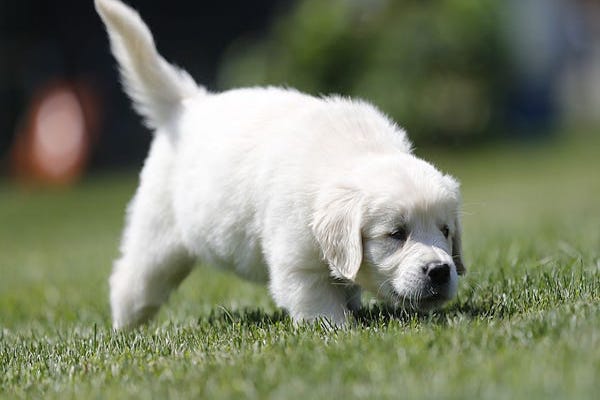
(371, 316)
(246, 317)
(382, 313)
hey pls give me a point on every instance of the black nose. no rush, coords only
(438, 273)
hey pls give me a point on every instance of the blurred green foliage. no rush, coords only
(435, 66)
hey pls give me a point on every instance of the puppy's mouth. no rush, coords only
(428, 301)
(432, 302)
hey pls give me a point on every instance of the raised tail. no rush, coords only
(155, 87)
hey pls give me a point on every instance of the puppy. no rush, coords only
(319, 197)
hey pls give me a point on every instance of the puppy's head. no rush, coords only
(392, 226)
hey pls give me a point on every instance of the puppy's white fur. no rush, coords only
(303, 192)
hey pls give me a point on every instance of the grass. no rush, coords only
(526, 323)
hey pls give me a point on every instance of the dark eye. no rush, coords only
(400, 234)
(445, 231)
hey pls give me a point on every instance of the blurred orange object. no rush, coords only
(52, 145)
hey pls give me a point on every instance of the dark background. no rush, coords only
(42, 41)
(451, 72)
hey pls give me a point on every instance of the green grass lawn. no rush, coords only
(526, 323)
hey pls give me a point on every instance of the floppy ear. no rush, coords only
(457, 249)
(336, 226)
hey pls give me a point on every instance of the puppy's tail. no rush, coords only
(156, 87)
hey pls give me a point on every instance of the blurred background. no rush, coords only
(453, 73)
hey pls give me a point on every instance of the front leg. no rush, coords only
(308, 295)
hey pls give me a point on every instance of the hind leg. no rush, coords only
(142, 281)
(153, 259)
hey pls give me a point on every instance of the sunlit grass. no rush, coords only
(525, 324)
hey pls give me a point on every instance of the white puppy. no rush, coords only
(317, 196)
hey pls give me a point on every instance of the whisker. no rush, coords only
(381, 287)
